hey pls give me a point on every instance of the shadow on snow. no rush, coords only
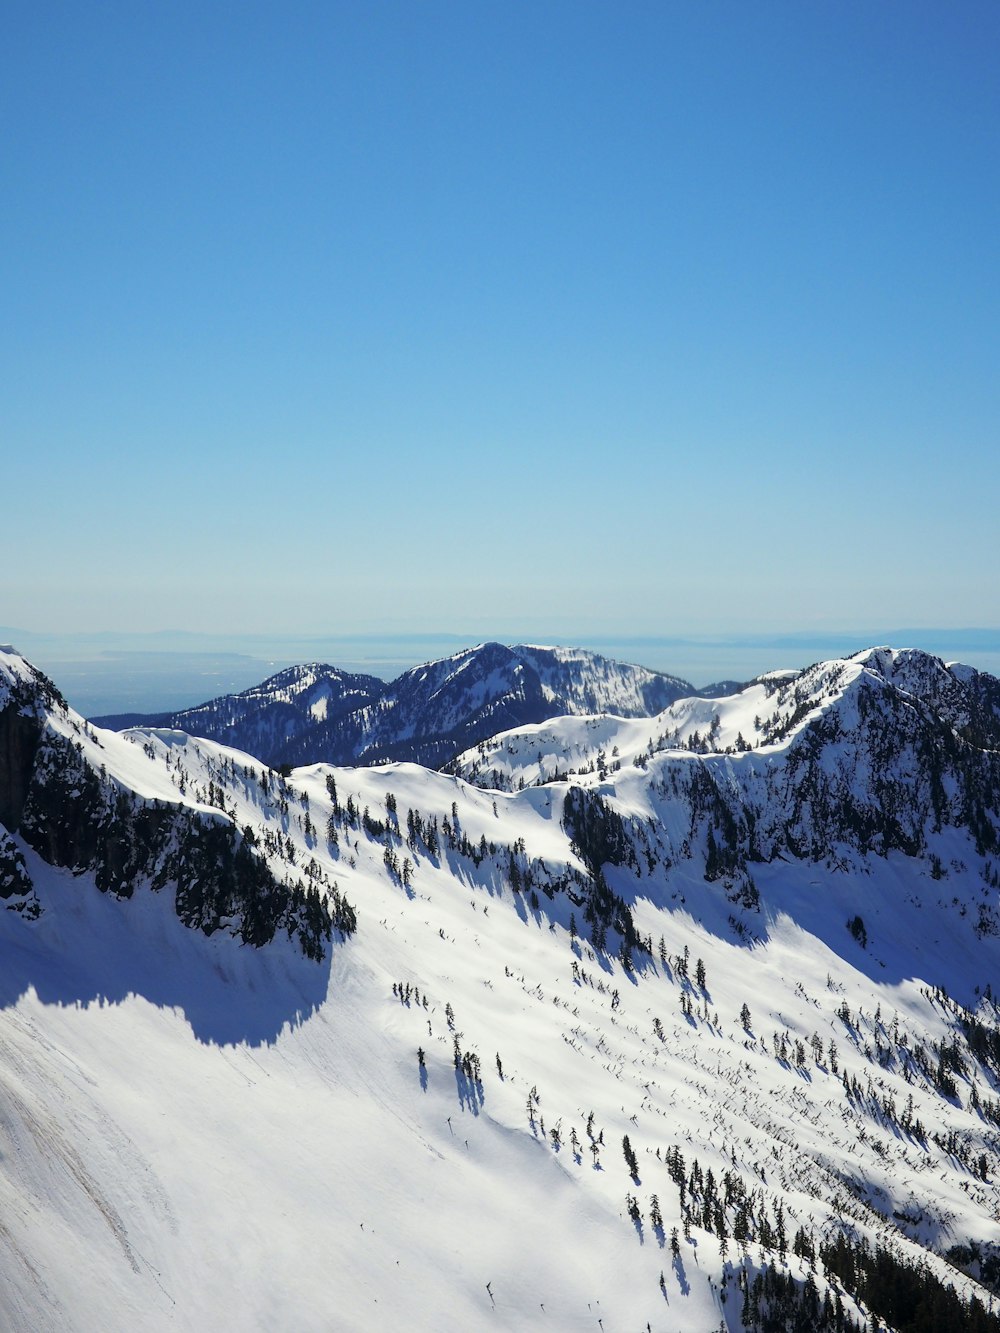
(90, 949)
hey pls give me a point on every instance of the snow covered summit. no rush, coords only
(428, 714)
(700, 1034)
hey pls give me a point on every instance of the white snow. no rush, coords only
(198, 1135)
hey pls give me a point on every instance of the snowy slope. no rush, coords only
(758, 716)
(90, 801)
(426, 715)
(265, 718)
(199, 1134)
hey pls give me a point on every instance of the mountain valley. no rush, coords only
(641, 1008)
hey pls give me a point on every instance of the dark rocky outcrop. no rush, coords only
(884, 769)
(81, 819)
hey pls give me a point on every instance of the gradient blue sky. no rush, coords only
(514, 319)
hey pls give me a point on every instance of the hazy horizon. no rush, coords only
(108, 672)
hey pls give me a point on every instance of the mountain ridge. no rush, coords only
(317, 713)
(668, 1041)
(88, 803)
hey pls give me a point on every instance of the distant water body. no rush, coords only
(148, 673)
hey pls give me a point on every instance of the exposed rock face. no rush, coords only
(878, 769)
(885, 752)
(14, 879)
(78, 817)
(22, 711)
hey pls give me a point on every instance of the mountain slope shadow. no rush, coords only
(89, 948)
(913, 929)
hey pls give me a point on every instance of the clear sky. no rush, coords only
(517, 319)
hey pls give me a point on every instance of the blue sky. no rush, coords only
(519, 319)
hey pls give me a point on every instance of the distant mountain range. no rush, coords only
(317, 713)
(686, 1020)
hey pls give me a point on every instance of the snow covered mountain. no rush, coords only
(263, 720)
(316, 713)
(701, 1035)
(89, 802)
(883, 752)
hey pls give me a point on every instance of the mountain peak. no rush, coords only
(100, 804)
(316, 713)
(713, 1008)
